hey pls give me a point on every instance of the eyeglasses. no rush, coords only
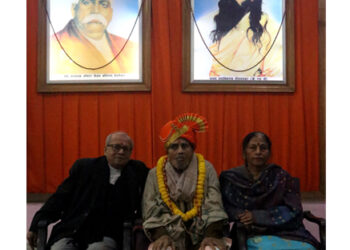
(118, 147)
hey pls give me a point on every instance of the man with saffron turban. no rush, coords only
(182, 206)
(84, 45)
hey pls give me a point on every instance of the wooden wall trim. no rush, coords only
(305, 196)
(322, 89)
(37, 197)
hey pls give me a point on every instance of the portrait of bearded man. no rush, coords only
(85, 46)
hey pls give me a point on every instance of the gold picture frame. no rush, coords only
(192, 63)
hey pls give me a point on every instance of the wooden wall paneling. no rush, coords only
(108, 116)
(70, 131)
(245, 115)
(89, 126)
(310, 86)
(36, 178)
(143, 129)
(53, 141)
(126, 113)
(211, 142)
(232, 143)
(175, 43)
(297, 133)
(279, 128)
(297, 158)
(162, 96)
(261, 115)
(35, 123)
(322, 92)
(87, 118)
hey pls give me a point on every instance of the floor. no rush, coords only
(317, 208)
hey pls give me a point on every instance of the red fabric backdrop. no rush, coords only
(63, 127)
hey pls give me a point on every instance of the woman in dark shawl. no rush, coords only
(266, 199)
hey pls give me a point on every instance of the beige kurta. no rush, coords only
(236, 51)
(156, 213)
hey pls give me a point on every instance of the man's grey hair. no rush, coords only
(109, 137)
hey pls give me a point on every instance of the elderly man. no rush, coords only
(86, 42)
(96, 198)
(182, 207)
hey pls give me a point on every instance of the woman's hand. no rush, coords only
(246, 217)
(213, 243)
(163, 243)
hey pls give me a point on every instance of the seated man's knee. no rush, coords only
(64, 244)
(106, 244)
(151, 247)
(210, 248)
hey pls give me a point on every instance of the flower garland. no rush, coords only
(164, 192)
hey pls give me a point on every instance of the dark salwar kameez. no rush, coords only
(273, 199)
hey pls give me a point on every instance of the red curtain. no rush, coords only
(63, 127)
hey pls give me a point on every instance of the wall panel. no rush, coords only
(63, 127)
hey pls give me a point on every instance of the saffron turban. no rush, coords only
(184, 126)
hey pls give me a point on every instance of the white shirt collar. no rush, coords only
(113, 174)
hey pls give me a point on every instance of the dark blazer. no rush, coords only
(85, 193)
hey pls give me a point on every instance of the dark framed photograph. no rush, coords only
(238, 46)
(94, 45)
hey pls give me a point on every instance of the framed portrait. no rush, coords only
(94, 45)
(238, 46)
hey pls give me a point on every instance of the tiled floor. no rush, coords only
(317, 208)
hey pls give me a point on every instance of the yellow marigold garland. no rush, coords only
(164, 193)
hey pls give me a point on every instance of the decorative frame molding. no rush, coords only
(190, 85)
(144, 84)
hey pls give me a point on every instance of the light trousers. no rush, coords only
(69, 244)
